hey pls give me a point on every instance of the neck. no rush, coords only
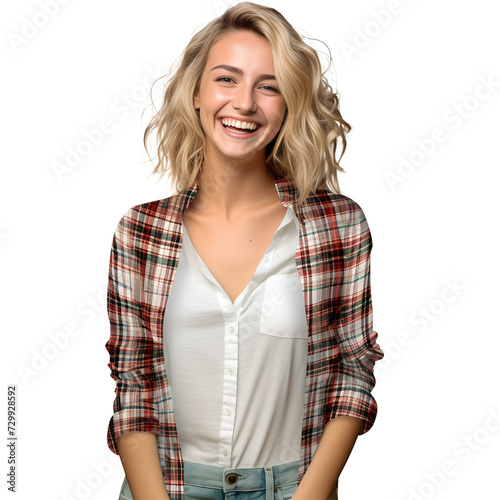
(228, 188)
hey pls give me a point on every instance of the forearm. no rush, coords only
(335, 446)
(139, 457)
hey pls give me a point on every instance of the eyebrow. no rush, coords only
(240, 72)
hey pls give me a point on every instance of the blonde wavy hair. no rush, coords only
(304, 149)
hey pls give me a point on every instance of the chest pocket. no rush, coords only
(283, 310)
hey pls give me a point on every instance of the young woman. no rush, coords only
(240, 308)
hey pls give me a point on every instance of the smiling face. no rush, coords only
(241, 107)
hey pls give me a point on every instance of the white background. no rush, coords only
(403, 69)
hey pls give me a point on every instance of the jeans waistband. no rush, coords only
(241, 478)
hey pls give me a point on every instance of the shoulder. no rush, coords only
(339, 218)
(338, 208)
(143, 220)
(151, 211)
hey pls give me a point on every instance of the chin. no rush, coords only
(241, 155)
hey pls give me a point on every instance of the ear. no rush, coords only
(196, 99)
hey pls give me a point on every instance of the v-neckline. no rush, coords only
(209, 273)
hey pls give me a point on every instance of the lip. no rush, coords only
(239, 135)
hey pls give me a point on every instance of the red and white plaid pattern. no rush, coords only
(333, 262)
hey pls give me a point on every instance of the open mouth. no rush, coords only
(239, 127)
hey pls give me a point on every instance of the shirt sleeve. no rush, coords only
(130, 345)
(359, 351)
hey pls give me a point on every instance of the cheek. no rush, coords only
(277, 119)
(213, 99)
(276, 113)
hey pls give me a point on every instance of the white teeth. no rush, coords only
(239, 124)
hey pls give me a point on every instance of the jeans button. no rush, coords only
(231, 478)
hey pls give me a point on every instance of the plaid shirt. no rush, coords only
(333, 263)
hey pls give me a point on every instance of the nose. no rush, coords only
(244, 99)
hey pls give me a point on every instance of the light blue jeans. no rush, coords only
(207, 482)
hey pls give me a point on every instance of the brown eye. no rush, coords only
(272, 89)
(226, 79)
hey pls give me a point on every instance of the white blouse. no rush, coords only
(237, 371)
